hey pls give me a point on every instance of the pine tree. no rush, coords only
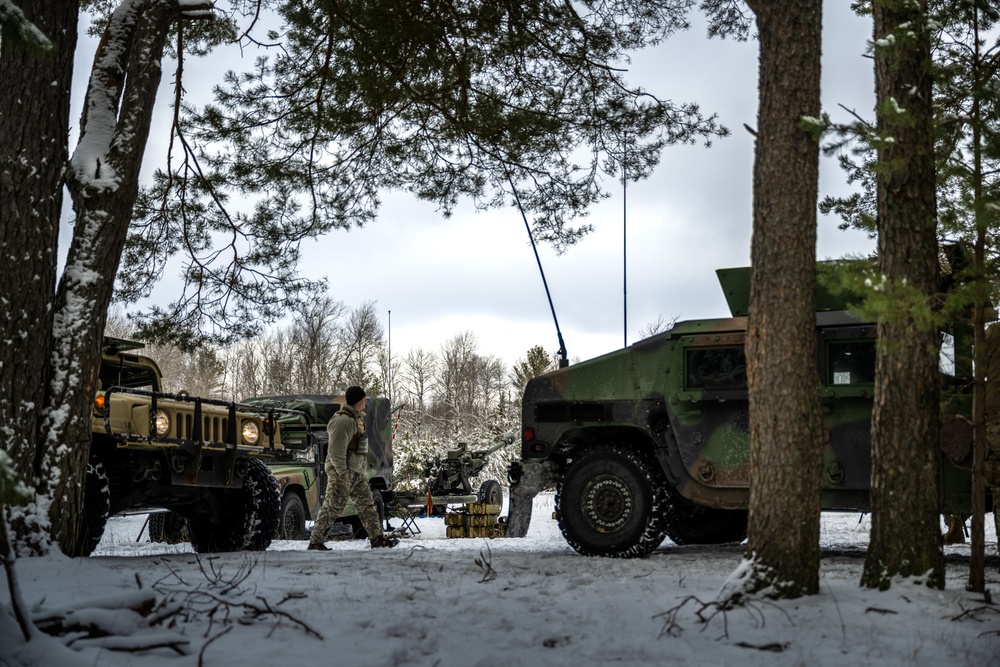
(446, 100)
(905, 535)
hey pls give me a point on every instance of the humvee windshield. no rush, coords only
(133, 376)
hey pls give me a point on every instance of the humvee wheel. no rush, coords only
(693, 524)
(245, 518)
(609, 503)
(491, 493)
(293, 518)
(264, 501)
(168, 527)
(96, 506)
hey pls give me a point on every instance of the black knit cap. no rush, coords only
(353, 395)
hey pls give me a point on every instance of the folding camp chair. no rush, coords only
(407, 514)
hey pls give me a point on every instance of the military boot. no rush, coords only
(384, 541)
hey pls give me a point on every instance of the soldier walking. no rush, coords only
(346, 465)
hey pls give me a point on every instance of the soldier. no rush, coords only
(346, 465)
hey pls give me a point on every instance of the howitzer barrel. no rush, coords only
(507, 440)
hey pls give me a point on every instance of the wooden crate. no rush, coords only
(475, 520)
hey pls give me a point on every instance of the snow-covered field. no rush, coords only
(479, 603)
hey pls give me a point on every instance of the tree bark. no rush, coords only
(34, 122)
(905, 533)
(103, 180)
(34, 126)
(786, 430)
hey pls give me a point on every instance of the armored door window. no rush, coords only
(715, 368)
(850, 362)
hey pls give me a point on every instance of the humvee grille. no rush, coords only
(214, 428)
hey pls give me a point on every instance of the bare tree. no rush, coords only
(360, 340)
(314, 344)
(457, 375)
(417, 377)
(658, 326)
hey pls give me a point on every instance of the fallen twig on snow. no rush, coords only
(485, 563)
(707, 611)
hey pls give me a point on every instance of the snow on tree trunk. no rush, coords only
(34, 124)
(905, 533)
(103, 180)
(786, 430)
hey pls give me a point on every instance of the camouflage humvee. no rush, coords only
(302, 480)
(652, 440)
(199, 458)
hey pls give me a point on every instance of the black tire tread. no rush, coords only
(96, 505)
(638, 545)
(293, 518)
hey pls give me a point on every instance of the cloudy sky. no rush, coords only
(476, 271)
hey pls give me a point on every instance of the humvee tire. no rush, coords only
(96, 506)
(245, 518)
(168, 527)
(293, 518)
(265, 501)
(610, 503)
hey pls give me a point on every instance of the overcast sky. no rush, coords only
(476, 271)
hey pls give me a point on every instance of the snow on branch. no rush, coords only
(109, 120)
(90, 163)
(153, 618)
(196, 9)
(18, 27)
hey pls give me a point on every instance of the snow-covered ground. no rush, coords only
(479, 603)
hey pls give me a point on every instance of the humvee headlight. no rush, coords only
(162, 423)
(251, 433)
(99, 402)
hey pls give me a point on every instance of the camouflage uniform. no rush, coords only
(346, 467)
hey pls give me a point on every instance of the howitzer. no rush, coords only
(450, 475)
(448, 479)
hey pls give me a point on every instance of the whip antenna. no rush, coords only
(563, 361)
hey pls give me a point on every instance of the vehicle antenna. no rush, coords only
(624, 241)
(563, 360)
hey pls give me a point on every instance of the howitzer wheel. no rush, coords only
(609, 503)
(491, 493)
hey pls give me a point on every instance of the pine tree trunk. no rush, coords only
(905, 533)
(786, 430)
(104, 189)
(34, 126)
